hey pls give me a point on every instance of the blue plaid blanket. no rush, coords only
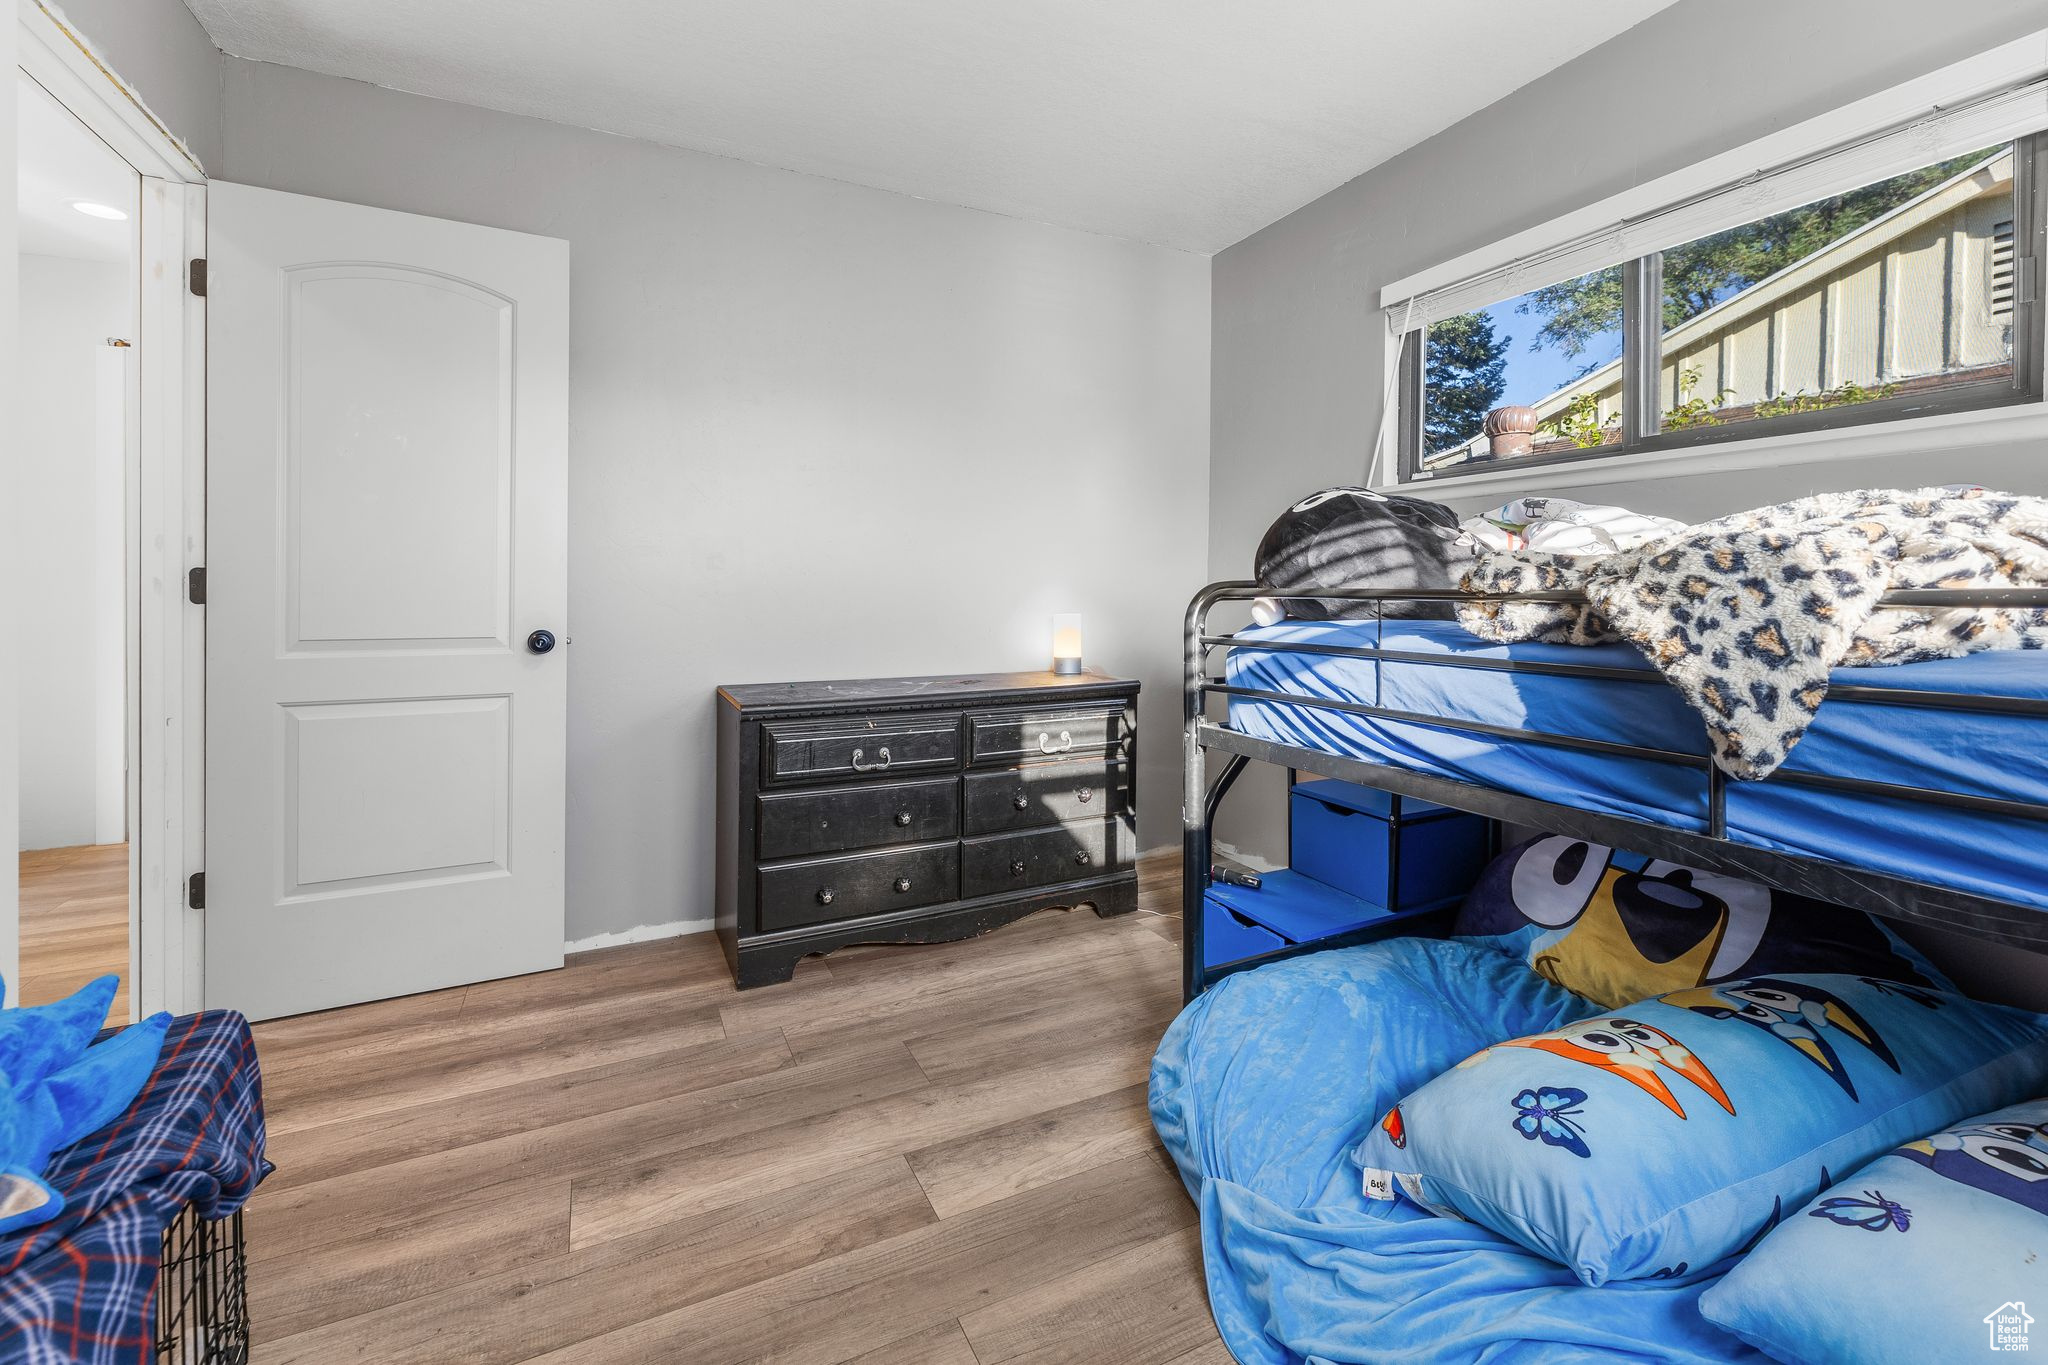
(82, 1287)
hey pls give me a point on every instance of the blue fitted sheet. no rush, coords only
(1259, 1091)
(1986, 755)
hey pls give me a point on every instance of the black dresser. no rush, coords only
(918, 810)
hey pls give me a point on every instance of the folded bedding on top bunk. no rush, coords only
(1263, 1085)
(1914, 746)
(1747, 616)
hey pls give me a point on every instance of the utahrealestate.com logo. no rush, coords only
(2008, 1324)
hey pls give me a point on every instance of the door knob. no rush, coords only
(541, 641)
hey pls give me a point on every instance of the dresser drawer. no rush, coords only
(1045, 736)
(1045, 794)
(1018, 862)
(825, 889)
(794, 824)
(858, 746)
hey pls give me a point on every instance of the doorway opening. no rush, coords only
(75, 431)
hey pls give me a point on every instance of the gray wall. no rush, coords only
(165, 57)
(1298, 340)
(816, 430)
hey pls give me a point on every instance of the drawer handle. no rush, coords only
(1021, 801)
(903, 817)
(902, 884)
(1083, 858)
(1084, 795)
(1016, 867)
(881, 761)
(1046, 746)
(825, 895)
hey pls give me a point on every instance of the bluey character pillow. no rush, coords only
(1619, 927)
(1663, 1138)
(1353, 537)
(1933, 1252)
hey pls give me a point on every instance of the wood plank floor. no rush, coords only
(74, 923)
(921, 1156)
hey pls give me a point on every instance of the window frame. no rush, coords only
(1642, 361)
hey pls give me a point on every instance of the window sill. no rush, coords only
(1946, 434)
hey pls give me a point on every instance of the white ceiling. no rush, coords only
(60, 164)
(1190, 123)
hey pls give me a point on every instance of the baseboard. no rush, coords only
(645, 933)
(1251, 860)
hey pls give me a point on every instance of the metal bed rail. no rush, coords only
(1709, 847)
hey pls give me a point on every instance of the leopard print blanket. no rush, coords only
(1748, 615)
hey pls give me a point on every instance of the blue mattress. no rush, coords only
(1926, 747)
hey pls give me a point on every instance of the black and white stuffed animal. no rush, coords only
(1356, 538)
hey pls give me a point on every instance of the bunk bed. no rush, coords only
(1590, 742)
(1919, 794)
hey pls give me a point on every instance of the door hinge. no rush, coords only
(195, 586)
(199, 276)
(195, 891)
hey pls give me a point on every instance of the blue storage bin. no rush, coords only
(1228, 935)
(1285, 909)
(1390, 850)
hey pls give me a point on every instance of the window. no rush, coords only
(1904, 296)
(1511, 360)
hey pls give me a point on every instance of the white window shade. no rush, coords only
(1935, 137)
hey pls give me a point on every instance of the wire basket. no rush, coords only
(202, 1299)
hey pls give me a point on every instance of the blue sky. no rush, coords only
(1532, 374)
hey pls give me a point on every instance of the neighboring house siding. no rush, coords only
(1924, 291)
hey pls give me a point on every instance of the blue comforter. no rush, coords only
(1259, 1091)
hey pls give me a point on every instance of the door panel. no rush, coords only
(405, 444)
(387, 453)
(394, 791)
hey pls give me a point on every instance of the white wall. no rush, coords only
(10, 562)
(66, 510)
(816, 430)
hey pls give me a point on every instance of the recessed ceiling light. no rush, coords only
(92, 210)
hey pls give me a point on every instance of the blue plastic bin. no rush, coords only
(1285, 909)
(1393, 851)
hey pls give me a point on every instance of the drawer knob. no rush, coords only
(1083, 858)
(1021, 801)
(824, 895)
(903, 817)
(903, 883)
(1046, 745)
(881, 761)
(1016, 867)
(1085, 795)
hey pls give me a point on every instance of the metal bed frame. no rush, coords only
(1881, 893)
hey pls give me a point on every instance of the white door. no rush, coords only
(387, 402)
